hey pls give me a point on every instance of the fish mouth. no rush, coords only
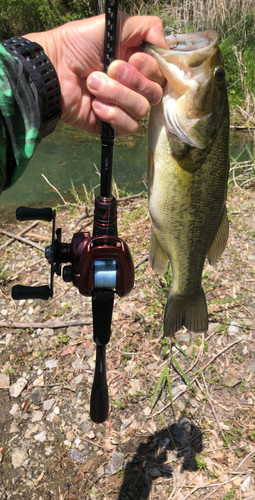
(186, 66)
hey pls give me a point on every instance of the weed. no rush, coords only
(198, 341)
(243, 384)
(200, 462)
(64, 338)
(231, 494)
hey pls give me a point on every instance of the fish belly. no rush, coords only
(187, 194)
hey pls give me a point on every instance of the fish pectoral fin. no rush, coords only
(220, 239)
(158, 257)
(183, 311)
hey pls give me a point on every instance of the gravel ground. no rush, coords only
(49, 447)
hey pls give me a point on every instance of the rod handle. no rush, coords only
(99, 401)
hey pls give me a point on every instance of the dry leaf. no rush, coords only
(90, 435)
(69, 350)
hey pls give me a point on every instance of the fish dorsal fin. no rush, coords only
(158, 258)
(220, 239)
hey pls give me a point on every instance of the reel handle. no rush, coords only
(26, 213)
(31, 292)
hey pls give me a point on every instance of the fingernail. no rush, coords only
(95, 82)
(98, 105)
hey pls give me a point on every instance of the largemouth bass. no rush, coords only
(188, 167)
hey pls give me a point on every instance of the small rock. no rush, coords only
(73, 331)
(18, 458)
(178, 390)
(56, 419)
(47, 332)
(130, 368)
(231, 378)
(8, 339)
(56, 410)
(77, 442)
(136, 387)
(91, 363)
(212, 327)
(39, 381)
(77, 455)
(51, 363)
(86, 426)
(152, 366)
(37, 416)
(76, 362)
(251, 367)
(15, 411)
(70, 436)
(14, 428)
(100, 471)
(37, 396)
(27, 434)
(77, 380)
(233, 328)
(247, 484)
(4, 381)
(41, 436)
(47, 405)
(17, 388)
(245, 350)
(115, 464)
(48, 451)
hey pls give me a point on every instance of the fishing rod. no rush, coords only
(99, 265)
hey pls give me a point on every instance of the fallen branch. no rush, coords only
(141, 261)
(23, 240)
(46, 324)
(20, 234)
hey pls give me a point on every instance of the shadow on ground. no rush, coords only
(154, 456)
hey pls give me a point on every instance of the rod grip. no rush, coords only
(26, 213)
(31, 292)
(99, 401)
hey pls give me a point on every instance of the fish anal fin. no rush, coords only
(220, 239)
(185, 311)
(158, 257)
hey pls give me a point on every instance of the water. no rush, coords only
(69, 155)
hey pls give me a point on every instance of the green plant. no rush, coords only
(200, 462)
(231, 494)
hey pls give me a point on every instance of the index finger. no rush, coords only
(137, 29)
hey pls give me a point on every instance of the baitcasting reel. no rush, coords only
(99, 266)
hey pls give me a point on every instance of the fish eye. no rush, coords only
(219, 75)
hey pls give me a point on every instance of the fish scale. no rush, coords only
(187, 184)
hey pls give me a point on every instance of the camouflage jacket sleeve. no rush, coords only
(20, 118)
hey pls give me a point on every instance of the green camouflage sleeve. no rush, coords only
(20, 118)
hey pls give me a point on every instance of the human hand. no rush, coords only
(123, 96)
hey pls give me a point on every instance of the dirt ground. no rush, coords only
(49, 447)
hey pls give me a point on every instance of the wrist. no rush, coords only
(42, 72)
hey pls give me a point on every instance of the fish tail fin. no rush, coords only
(182, 311)
(158, 258)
